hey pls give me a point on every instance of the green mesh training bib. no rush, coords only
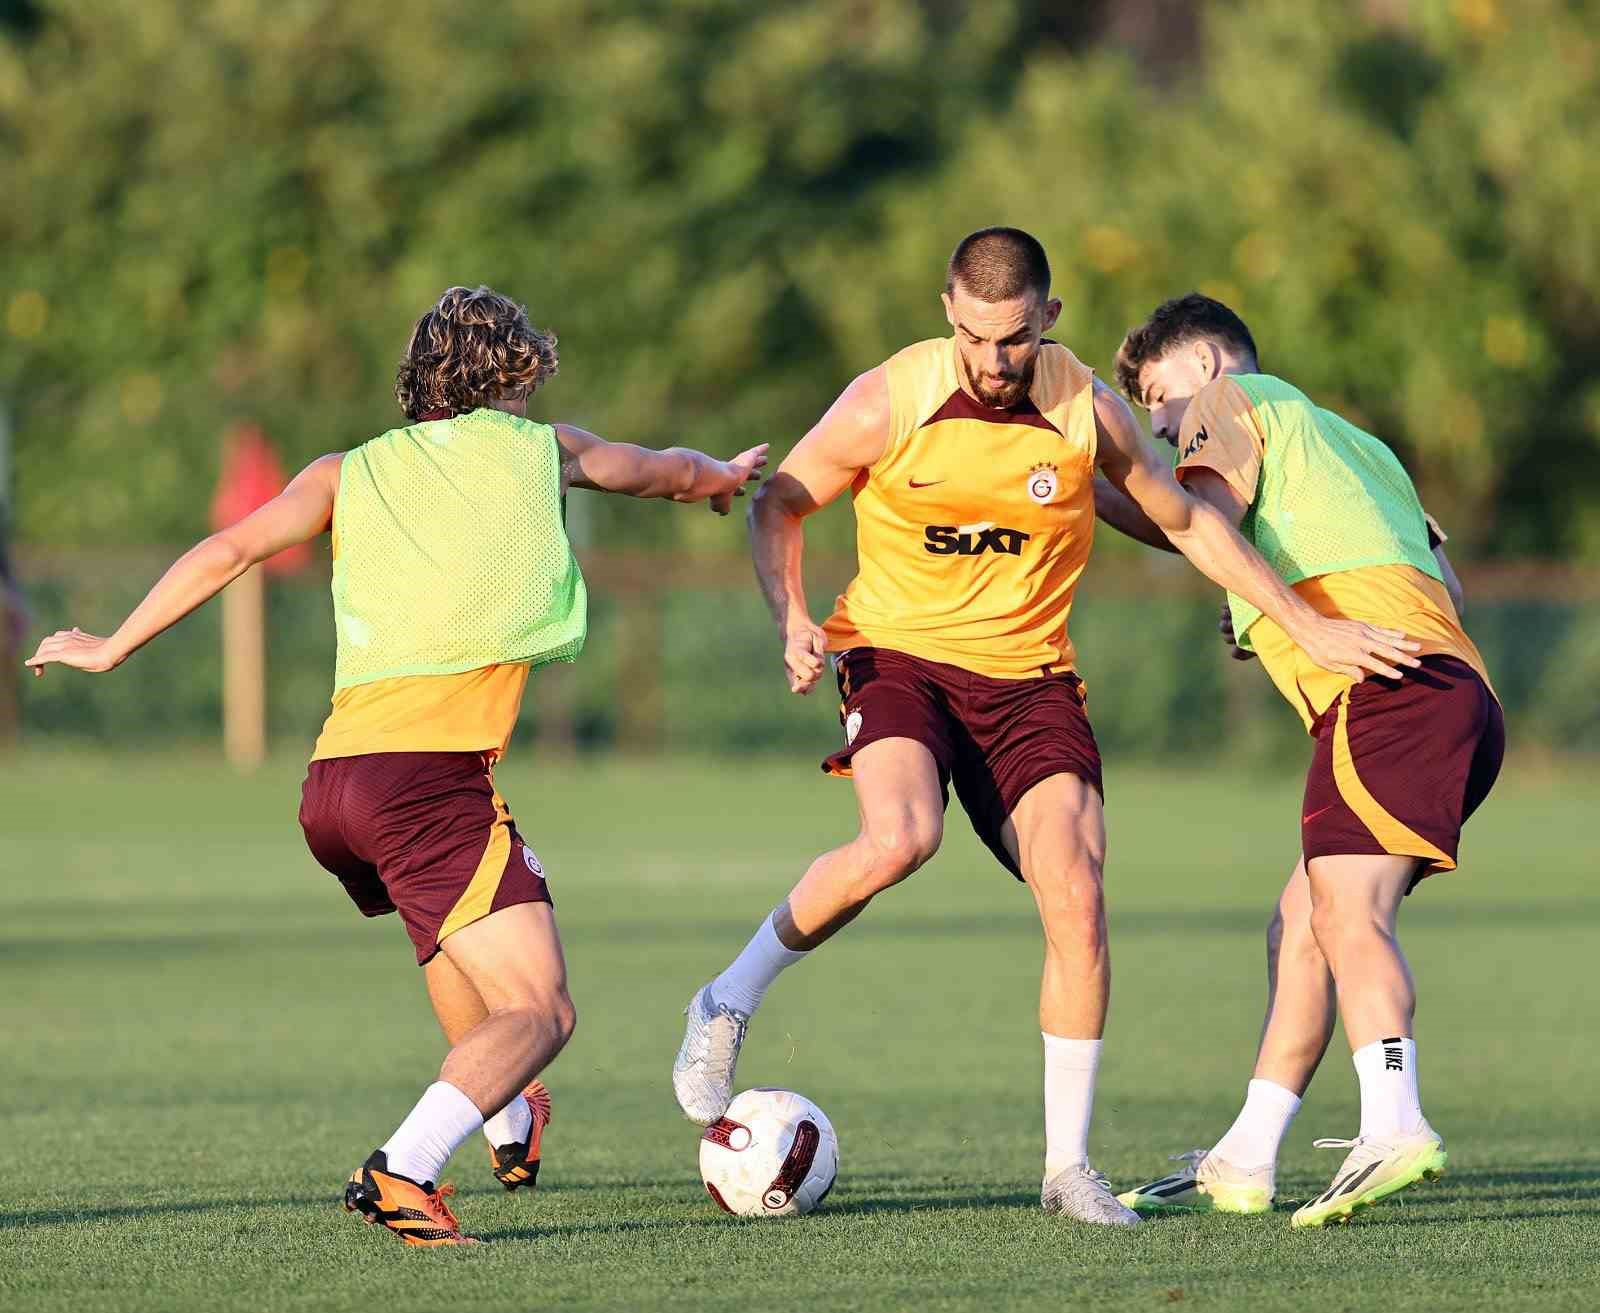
(1329, 496)
(450, 551)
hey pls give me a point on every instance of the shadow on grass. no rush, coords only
(57, 1216)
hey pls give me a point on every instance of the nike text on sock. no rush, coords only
(1069, 1071)
(1387, 1070)
(743, 985)
(510, 1125)
(442, 1120)
(1257, 1132)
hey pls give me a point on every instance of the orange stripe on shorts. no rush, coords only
(1395, 836)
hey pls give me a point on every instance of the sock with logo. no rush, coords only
(510, 1125)
(1387, 1069)
(746, 981)
(1258, 1130)
(440, 1123)
(1069, 1071)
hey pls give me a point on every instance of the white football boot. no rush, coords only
(1376, 1168)
(1084, 1194)
(702, 1077)
(1207, 1184)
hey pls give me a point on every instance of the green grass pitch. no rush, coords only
(202, 1038)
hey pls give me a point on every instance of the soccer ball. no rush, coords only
(772, 1154)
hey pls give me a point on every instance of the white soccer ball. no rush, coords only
(772, 1154)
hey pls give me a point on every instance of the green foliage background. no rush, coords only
(236, 208)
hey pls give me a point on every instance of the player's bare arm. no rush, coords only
(681, 473)
(1115, 508)
(845, 441)
(1201, 521)
(297, 514)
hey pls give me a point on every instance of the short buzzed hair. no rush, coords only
(1184, 319)
(999, 264)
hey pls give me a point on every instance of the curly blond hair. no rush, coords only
(473, 348)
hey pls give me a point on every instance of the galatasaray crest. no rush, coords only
(1042, 484)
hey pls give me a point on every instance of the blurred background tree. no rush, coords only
(236, 209)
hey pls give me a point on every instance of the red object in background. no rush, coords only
(251, 477)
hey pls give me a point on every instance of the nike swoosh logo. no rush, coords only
(930, 483)
(1306, 820)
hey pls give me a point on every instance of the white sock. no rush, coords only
(1069, 1071)
(510, 1125)
(746, 981)
(1258, 1130)
(440, 1123)
(1387, 1070)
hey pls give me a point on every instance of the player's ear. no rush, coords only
(1052, 312)
(949, 308)
(1208, 358)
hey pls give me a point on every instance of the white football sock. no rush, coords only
(742, 986)
(1387, 1069)
(510, 1125)
(1069, 1071)
(440, 1123)
(1258, 1130)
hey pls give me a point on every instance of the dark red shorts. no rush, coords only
(1401, 763)
(424, 834)
(994, 739)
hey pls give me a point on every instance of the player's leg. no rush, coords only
(1238, 1173)
(1398, 767)
(1055, 836)
(1355, 902)
(515, 1132)
(900, 797)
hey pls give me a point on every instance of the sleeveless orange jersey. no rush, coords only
(973, 526)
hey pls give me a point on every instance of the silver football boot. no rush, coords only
(1085, 1195)
(702, 1077)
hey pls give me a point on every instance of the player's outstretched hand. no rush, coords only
(73, 647)
(1225, 628)
(1348, 647)
(742, 469)
(804, 651)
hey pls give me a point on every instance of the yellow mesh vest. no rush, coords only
(453, 553)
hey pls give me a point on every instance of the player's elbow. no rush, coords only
(780, 498)
(225, 555)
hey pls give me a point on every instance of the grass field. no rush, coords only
(202, 1038)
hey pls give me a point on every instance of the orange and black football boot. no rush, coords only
(517, 1165)
(413, 1210)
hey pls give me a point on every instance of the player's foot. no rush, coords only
(415, 1211)
(517, 1165)
(1377, 1167)
(1208, 1184)
(1082, 1193)
(702, 1077)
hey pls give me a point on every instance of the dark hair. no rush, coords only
(474, 347)
(1181, 320)
(998, 264)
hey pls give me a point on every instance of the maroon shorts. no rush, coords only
(424, 834)
(1401, 763)
(994, 739)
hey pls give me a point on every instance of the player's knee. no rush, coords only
(1335, 927)
(1274, 935)
(896, 852)
(563, 1016)
(1071, 899)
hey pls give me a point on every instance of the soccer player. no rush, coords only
(452, 579)
(1398, 764)
(972, 459)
